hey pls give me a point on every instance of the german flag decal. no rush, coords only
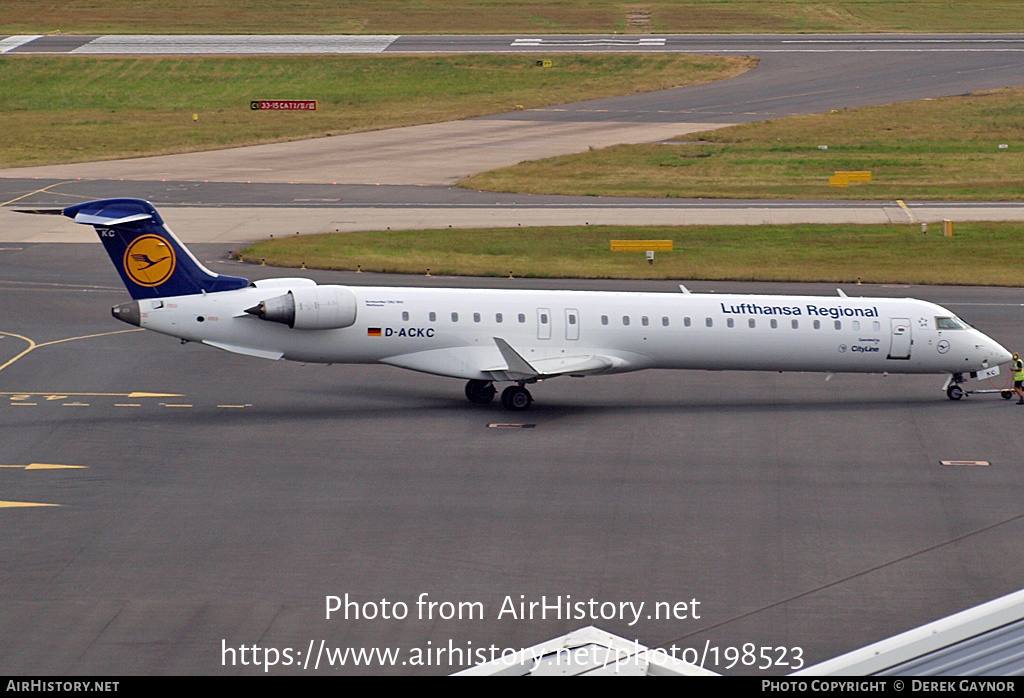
(373, 332)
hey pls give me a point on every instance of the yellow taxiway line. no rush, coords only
(11, 505)
(45, 466)
(32, 345)
(37, 191)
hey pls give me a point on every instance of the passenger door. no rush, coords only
(900, 339)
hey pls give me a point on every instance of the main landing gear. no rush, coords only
(480, 392)
(515, 398)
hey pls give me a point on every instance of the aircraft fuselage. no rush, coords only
(451, 331)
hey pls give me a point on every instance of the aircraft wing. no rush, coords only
(565, 365)
(517, 368)
(505, 364)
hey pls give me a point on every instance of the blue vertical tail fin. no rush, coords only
(152, 261)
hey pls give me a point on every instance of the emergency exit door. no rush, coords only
(543, 323)
(572, 324)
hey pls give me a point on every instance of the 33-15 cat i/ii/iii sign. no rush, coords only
(283, 104)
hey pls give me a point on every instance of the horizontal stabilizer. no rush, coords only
(110, 218)
(41, 211)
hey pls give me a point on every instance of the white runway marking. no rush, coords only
(13, 42)
(651, 41)
(239, 44)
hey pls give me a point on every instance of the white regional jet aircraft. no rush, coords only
(522, 337)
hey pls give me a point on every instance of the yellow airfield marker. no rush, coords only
(12, 505)
(46, 466)
(130, 396)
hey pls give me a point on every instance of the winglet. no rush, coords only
(518, 367)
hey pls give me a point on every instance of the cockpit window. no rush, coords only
(950, 323)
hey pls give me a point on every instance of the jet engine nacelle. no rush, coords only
(310, 308)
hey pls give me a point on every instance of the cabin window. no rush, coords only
(751, 323)
(856, 325)
(521, 318)
(405, 315)
(876, 325)
(625, 320)
(839, 325)
(455, 317)
(644, 321)
(775, 324)
(729, 322)
(664, 322)
(497, 317)
(796, 324)
(476, 317)
(543, 318)
(817, 324)
(604, 319)
(433, 316)
(686, 322)
(708, 321)
(572, 319)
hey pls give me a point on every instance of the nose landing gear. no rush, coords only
(955, 391)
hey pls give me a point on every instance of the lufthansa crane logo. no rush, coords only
(149, 260)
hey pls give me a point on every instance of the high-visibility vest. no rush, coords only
(1018, 370)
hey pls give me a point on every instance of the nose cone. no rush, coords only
(995, 353)
(1000, 354)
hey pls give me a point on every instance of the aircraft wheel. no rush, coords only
(954, 392)
(516, 398)
(480, 392)
(1006, 394)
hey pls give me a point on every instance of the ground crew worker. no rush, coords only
(1018, 378)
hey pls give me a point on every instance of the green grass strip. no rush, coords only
(977, 254)
(506, 16)
(942, 149)
(73, 109)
